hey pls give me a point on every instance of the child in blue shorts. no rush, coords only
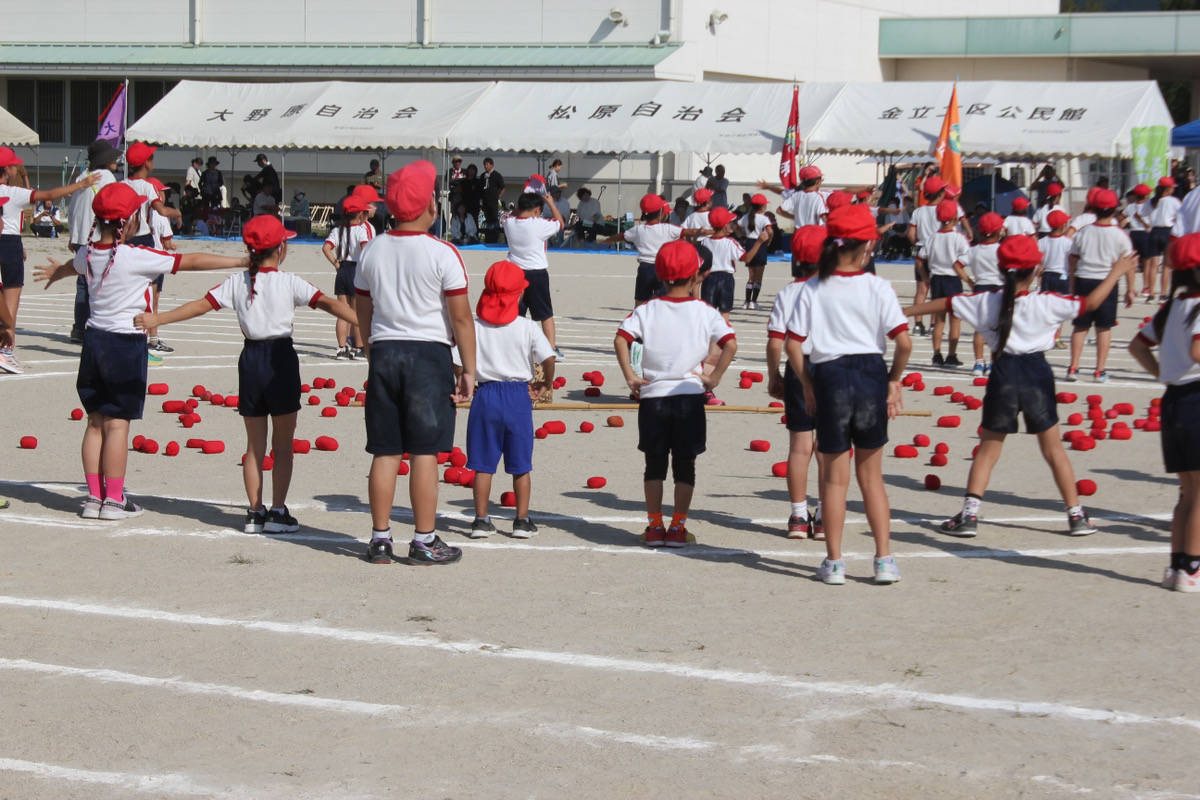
(501, 417)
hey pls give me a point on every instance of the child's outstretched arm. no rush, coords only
(632, 380)
(336, 307)
(1142, 353)
(52, 272)
(204, 261)
(728, 350)
(1125, 264)
(149, 321)
(930, 307)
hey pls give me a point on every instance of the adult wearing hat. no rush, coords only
(102, 164)
(212, 184)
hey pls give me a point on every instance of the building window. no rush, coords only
(51, 111)
(145, 95)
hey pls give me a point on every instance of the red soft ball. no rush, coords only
(949, 422)
(615, 422)
(560, 382)
(466, 479)
(313, 400)
(195, 444)
(916, 377)
(596, 482)
(1066, 397)
(586, 427)
(326, 443)
(330, 383)
(217, 399)
(980, 381)
(1099, 424)
(1094, 399)
(328, 411)
(28, 442)
(268, 463)
(941, 448)
(452, 474)
(342, 400)
(301, 446)
(212, 447)
(137, 442)
(905, 451)
(1085, 487)
(157, 388)
(760, 445)
(555, 426)
(403, 468)
(173, 406)
(597, 379)
(206, 396)
(508, 499)
(76, 414)
(755, 377)
(1152, 426)
(956, 397)
(198, 390)
(540, 433)
(973, 403)
(933, 483)
(919, 386)
(192, 403)
(318, 383)
(1121, 433)
(921, 440)
(442, 458)
(458, 458)
(774, 404)
(231, 401)
(1099, 435)
(305, 388)
(937, 460)
(779, 469)
(974, 451)
(172, 449)
(186, 420)
(591, 391)
(745, 383)
(149, 447)
(1075, 419)
(940, 391)
(360, 397)
(1083, 443)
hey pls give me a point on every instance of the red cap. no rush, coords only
(1166, 180)
(410, 189)
(702, 196)
(947, 211)
(720, 217)
(367, 192)
(676, 260)
(852, 222)
(8, 158)
(810, 173)
(758, 200)
(990, 223)
(535, 185)
(933, 184)
(354, 204)
(807, 242)
(1054, 189)
(1020, 203)
(1056, 219)
(1141, 190)
(1091, 195)
(838, 199)
(1185, 252)
(502, 288)
(1019, 252)
(952, 191)
(265, 232)
(139, 153)
(1104, 199)
(651, 204)
(865, 194)
(117, 201)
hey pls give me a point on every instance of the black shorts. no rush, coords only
(536, 297)
(1160, 240)
(1020, 384)
(986, 287)
(408, 406)
(760, 257)
(1181, 427)
(851, 394)
(343, 284)
(717, 290)
(798, 418)
(1103, 317)
(268, 378)
(1053, 282)
(12, 261)
(672, 425)
(944, 286)
(112, 374)
(1141, 243)
(647, 284)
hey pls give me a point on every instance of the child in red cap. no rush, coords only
(1136, 215)
(1175, 330)
(985, 273)
(846, 315)
(501, 418)
(343, 247)
(756, 232)
(1019, 328)
(648, 237)
(717, 287)
(412, 306)
(697, 222)
(140, 160)
(1018, 223)
(944, 255)
(1160, 213)
(265, 300)
(1095, 251)
(1056, 252)
(924, 225)
(676, 331)
(112, 365)
(1053, 201)
(527, 233)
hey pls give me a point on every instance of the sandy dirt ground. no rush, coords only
(174, 656)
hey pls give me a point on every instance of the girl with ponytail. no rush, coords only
(757, 232)
(342, 249)
(1159, 215)
(1019, 326)
(112, 365)
(1175, 330)
(844, 318)
(265, 301)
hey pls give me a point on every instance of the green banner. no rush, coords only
(1151, 156)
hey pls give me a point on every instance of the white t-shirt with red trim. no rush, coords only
(124, 292)
(1039, 217)
(145, 189)
(1055, 250)
(649, 237)
(1019, 225)
(848, 313)
(408, 275)
(675, 333)
(782, 310)
(727, 253)
(1098, 247)
(942, 250)
(354, 238)
(270, 311)
(698, 220)
(806, 208)
(508, 352)
(527, 237)
(19, 199)
(1035, 323)
(1188, 219)
(1082, 221)
(984, 264)
(1166, 213)
(1175, 364)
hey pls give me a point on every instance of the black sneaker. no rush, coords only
(952, 361)
(254, 521)
(919, 329)
(436, 552)
(964, 526)
(1080, 524)
(937, 359)
(281, 522)
(380, 551)
(523, 528)
(343, 354)
(160, 347)
(481, 528)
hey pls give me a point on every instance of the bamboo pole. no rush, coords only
(634, 407)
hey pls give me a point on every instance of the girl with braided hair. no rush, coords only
(265, 300)
(112, 366)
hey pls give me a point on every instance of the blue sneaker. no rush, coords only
(886, 570)
(832, 573)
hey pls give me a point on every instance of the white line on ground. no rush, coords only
(172, 784)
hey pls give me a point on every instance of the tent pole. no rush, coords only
(444, 195)
(282, 179)
(620, 217)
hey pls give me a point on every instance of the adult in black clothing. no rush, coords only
(338, 213)
(1047, 178)
(471, 188)
(211, 183)
(492, 191)
(268, 176)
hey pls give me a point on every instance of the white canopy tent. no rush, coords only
(14, 132)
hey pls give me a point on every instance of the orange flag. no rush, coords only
(949, 144)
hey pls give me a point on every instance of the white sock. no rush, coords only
(800, 509)
(280, 510)
(1075, 510)
(424, 538)
(971, 506)
(386, 533)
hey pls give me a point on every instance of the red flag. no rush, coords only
(791, 143)
(949, 144)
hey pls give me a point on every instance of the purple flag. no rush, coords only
(112, 121)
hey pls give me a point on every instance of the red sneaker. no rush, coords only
(655, 536)
(678, 536)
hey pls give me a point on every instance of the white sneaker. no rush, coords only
(1168, 579)
(91, 508)
(1185, 582)
(832, 573)
(111, 509)
(9, 362)
(886, 570)
(978, 369)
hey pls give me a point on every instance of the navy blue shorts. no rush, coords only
(717, 290)
(1020, 384)
(798, 418)
(268, 378)
(1103, 317)
(760, 257)
(1141, 243)
(500, 423)
(1160, 240)
(944, 286)
(12, 261)
(1053, 282)
(851, 394)
(673, 425)
(647, 284)
(986, 287)
(408, 408)
(536, 297)
(112, 374)
(343, 284)
(1181, 427)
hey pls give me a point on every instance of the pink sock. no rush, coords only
(95, 484)
(115, 489)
